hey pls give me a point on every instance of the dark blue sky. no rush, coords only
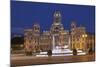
(25, 14)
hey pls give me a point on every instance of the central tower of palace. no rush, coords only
(57, 30)
(56, 26)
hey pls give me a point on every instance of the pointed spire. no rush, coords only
(73, 24)
(57, 17)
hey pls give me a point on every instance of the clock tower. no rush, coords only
(56, 26)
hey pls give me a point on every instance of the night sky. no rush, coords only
(25, 14)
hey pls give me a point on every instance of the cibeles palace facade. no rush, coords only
(75, 38)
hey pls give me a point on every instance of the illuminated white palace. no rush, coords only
(56, 37)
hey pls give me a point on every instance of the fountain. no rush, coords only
(58, 51)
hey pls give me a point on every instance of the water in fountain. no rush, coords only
(57, 49)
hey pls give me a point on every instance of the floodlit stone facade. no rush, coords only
(75, 38)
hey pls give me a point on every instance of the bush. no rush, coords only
(74, 52)
(49, 53)
(90, 51)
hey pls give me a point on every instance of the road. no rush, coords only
(33, 60)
